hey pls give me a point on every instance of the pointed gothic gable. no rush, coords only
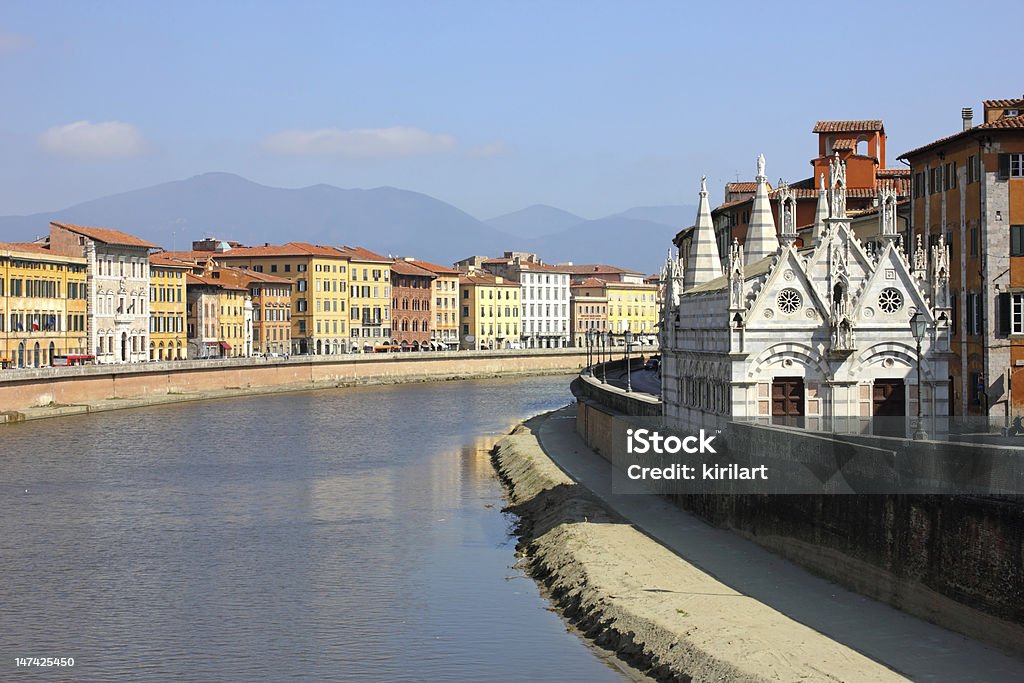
(858, 262)
(891, 294)
(787, 298)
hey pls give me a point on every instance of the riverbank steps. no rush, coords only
(631, 595)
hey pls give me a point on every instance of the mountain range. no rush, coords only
(387, 220)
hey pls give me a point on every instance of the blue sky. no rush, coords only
(593, 107)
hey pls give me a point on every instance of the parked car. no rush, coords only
(652, 364)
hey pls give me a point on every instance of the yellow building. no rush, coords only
(42, 305)
(631, 306)
(167, 307)
(216, 316)
(490, 311)
(319, 310)
(369, 298)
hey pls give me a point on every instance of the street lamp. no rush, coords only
(918, 327)
(629, 374)
(604, 356)
(590, 349)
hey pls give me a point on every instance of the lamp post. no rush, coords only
(586, 344)
(918, 327)
(629, 374)
(604, 356)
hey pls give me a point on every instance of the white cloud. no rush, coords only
(360, 143)
(87, 140)
(14, 42)
(488, 151)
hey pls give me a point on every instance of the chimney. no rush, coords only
(968, 115)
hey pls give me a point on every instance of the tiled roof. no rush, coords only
(279, 250)
(741, 186)
(220, 282)
(1002, 104)
(37, 250)
(585, 268)
(804, 189)
(361, 254)
(107, 235)
(589, 282)
(434, 268)
(168, 260)
(868, 125)
(1005, 123)
(844, 143)
(754, 270)
(480, 278)
(526, 265)
(406, 268)
(892, 172)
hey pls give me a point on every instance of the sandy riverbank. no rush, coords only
(631, 595)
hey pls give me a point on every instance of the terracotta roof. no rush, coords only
(892, 172)
(844, 143)
(107, 235)
(245, 277)
(279, 250)
(589, 282)
(899, 181)
(434, 268)
(1005, 123)
(1002, 104)
(220, 282)
(867, 125)
(169, 260)
(406, 268)
(361, 254)
(479, 278)
(741, 186)
(37, 250)
(526, 265)
(585, 268)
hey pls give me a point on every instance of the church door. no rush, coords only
(788, 401)
(889, 407)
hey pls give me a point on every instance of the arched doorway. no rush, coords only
(319, 347)
(35, 356)
(21, 355)
(124, 346)
(51, 352)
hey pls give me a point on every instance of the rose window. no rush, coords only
(890, 300)
(789, 301)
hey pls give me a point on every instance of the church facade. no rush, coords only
(818, 336)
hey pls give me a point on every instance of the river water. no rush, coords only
(343, 535)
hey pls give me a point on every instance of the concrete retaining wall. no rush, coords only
(24, 389)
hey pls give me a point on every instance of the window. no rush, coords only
(935, 181)
(972, 171)
(974, 313)
(1011, 166)
(1017, 240)
(974, 241)
(1003, 310)
(1016, 325)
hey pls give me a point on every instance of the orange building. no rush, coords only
(968, 191)
(859, 144)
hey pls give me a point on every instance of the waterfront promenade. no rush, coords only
(916, 649)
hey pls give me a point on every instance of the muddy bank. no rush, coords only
(629, 594)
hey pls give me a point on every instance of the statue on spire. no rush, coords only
(760, 168)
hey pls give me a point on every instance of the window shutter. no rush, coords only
(1004, 315)
(1004, 165)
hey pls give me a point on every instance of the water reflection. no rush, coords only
(338, 535)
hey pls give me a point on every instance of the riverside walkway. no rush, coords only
(910, 646)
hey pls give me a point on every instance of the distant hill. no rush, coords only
(679, 217)
(535, 221)
(629, 243)
(387, 220)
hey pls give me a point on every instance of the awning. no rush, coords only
(224, 345)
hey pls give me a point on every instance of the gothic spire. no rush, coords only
(703, 263)
(761, 239)
(821, 215)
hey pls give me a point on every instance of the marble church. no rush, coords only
(816, 335)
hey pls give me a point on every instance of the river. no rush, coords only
(341, 535)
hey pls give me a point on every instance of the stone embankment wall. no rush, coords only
(631, 595)
(954, 560)
(27, 389)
